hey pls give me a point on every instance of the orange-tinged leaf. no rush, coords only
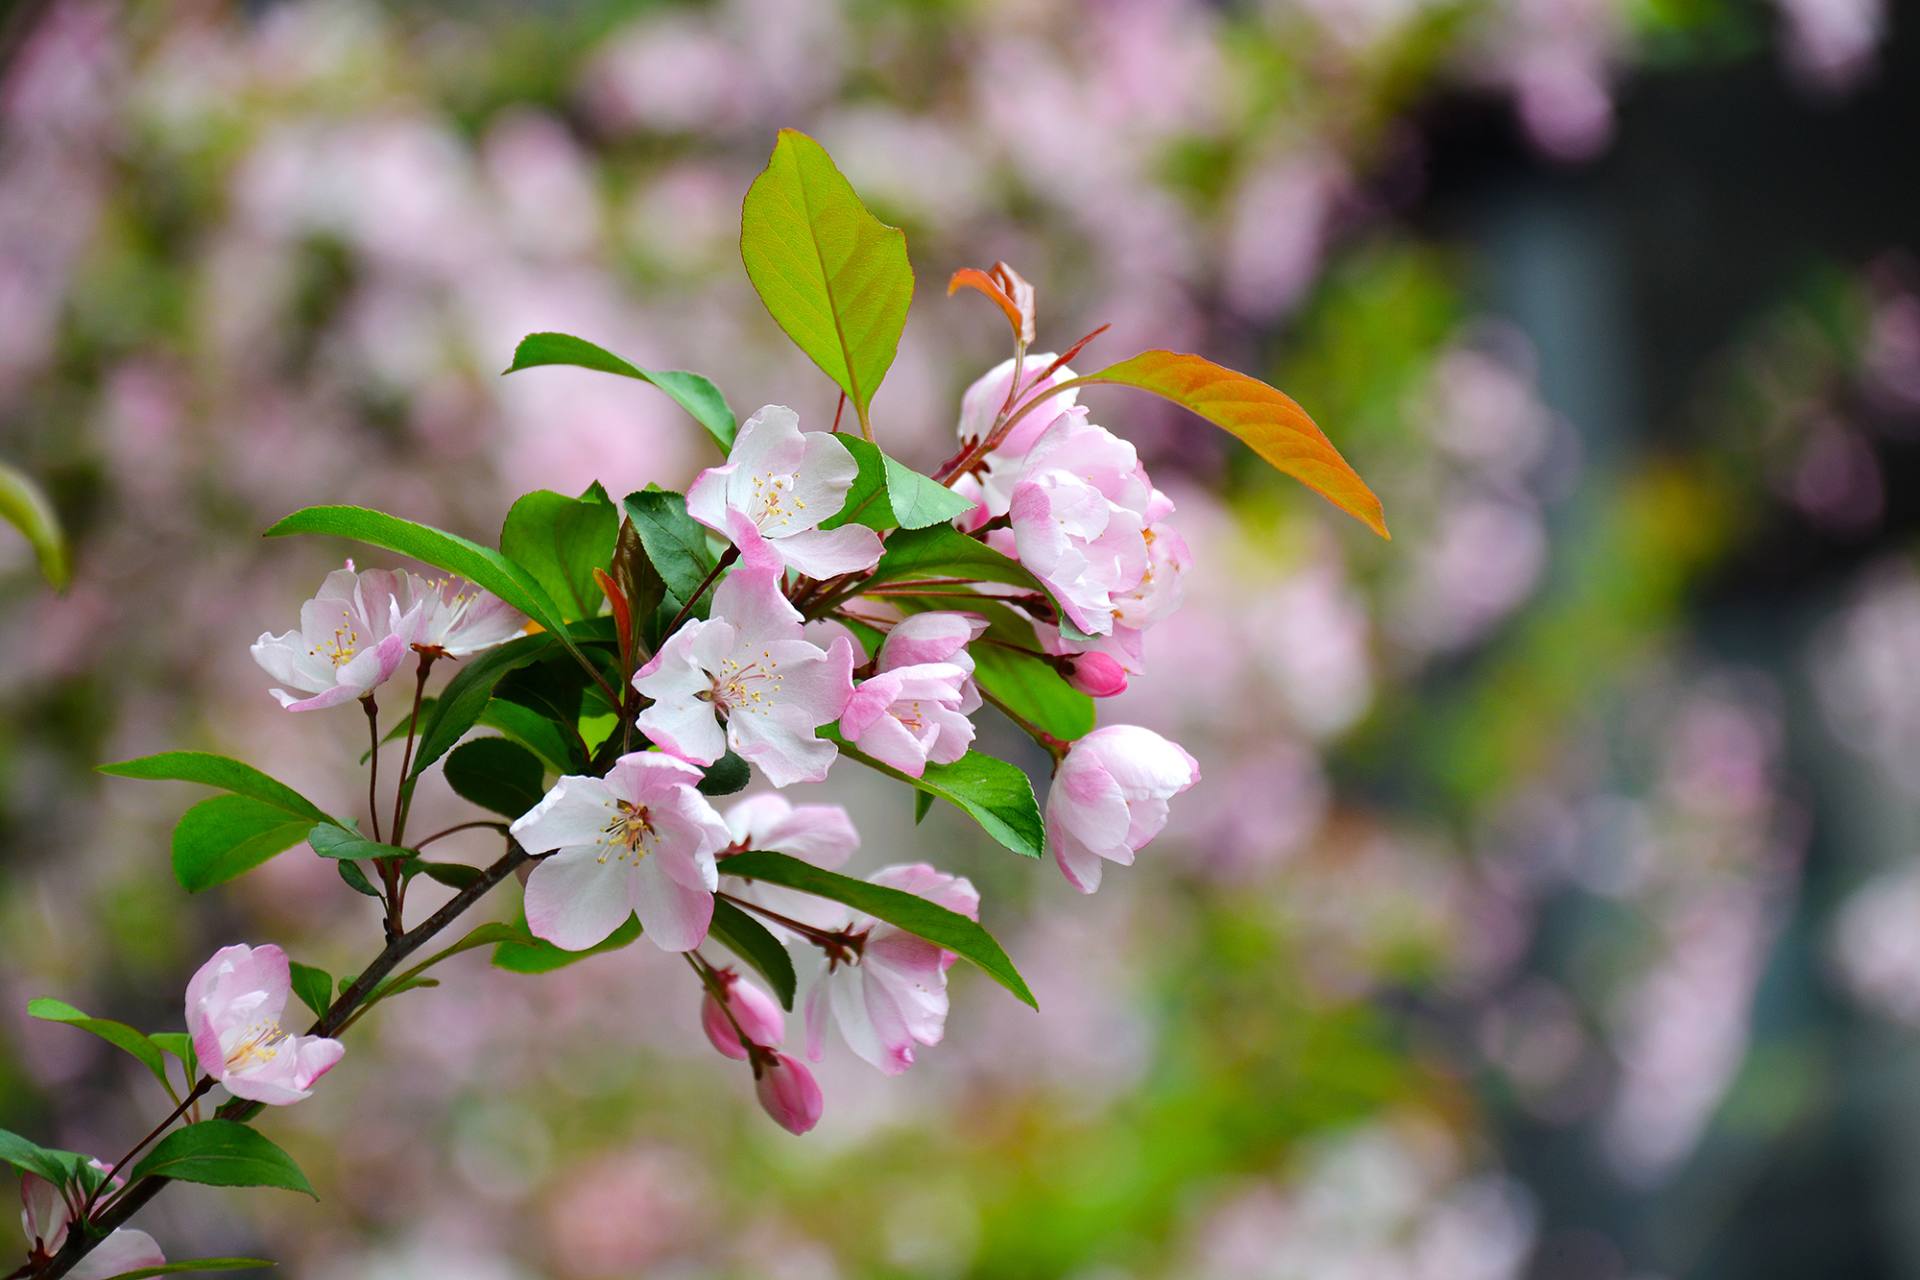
(1268, 420)
(1008, 290)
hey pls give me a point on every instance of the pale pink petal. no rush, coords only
(827, 553)
(674, 917)
(578, 896)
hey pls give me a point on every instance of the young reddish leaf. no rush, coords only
(1008, 290)
(1270, 422)
(1060, 361)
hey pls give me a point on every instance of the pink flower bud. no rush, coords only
(789, 1094)
(1096, 675)
(757, 1012)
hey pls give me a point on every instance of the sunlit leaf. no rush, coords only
(831, 274)
(561, 541)
(992, 792)
(690, 391)
(228, 836)
(24, 506)
(1267, 420)
(118, 1034)
(888, 494)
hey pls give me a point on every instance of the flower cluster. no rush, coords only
(809, 599)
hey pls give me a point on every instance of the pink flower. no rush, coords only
(915, 707)
(785, 482)
(456, 617)
(641, 840)
(351, 640)
(234, 1006)
(892, 993)
(1096, 674)
(1079, 520)
(822, 834)
(789, 1093)
(46, 1212)
(758, 1013)
(1109, 798)
(980, 406)
(745, 678)
(1154, 599)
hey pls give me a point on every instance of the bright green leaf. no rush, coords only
(331, 840)
(62, 1168)
(118, 1034)
(992, 792)
(195, 1264)
(690, 391)
(222, 1153)
(675, 542)
(561, 541)
(227, 836)
(314, 986)
(528, 954)
(482, 566)
(24, 505)
(1030, 688)
(908, 911)
(888, 494)
(747, 938)
(537, 733)
(464, 700)
(831, 274)
(497, 774)
(216, 771)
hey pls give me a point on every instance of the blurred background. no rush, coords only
(1549, 907)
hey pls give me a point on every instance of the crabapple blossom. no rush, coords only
(891, 993)
(1096, 674)
(915, 706)
(822, 834)
(353, 636)
(1151, 602)
(45, 1215)
(456, 617)
(1109, 798)
(757, 1014)
(785, 481)
(1078, 516)
(745, 678)
(789, 1093)
(639, 841)
(980, 407)
(234, 1006)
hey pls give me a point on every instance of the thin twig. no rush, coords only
(136, 1195)
(373, 765)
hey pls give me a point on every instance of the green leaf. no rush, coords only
(905, 910)
(690, 391)
(482, 566)
(222, 1153)
(118, 1034)
(747, 938)
(528, 954)
(942, 552)
(62, 1168)
(455, 875)
(314, 987)
(330, 840)
(561, 541)
(227, 836)
(537, 733)
(216, 771)
(674, 540)
(922, 806)
(992, 792)
(1032, 689)
(177, 1043)
(888, 494)
(195, 1264)
(356, 879)
(496, 774)
(24, 505)
(1269, 421)
(725, 776)
(463, 701)
(831, 274)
